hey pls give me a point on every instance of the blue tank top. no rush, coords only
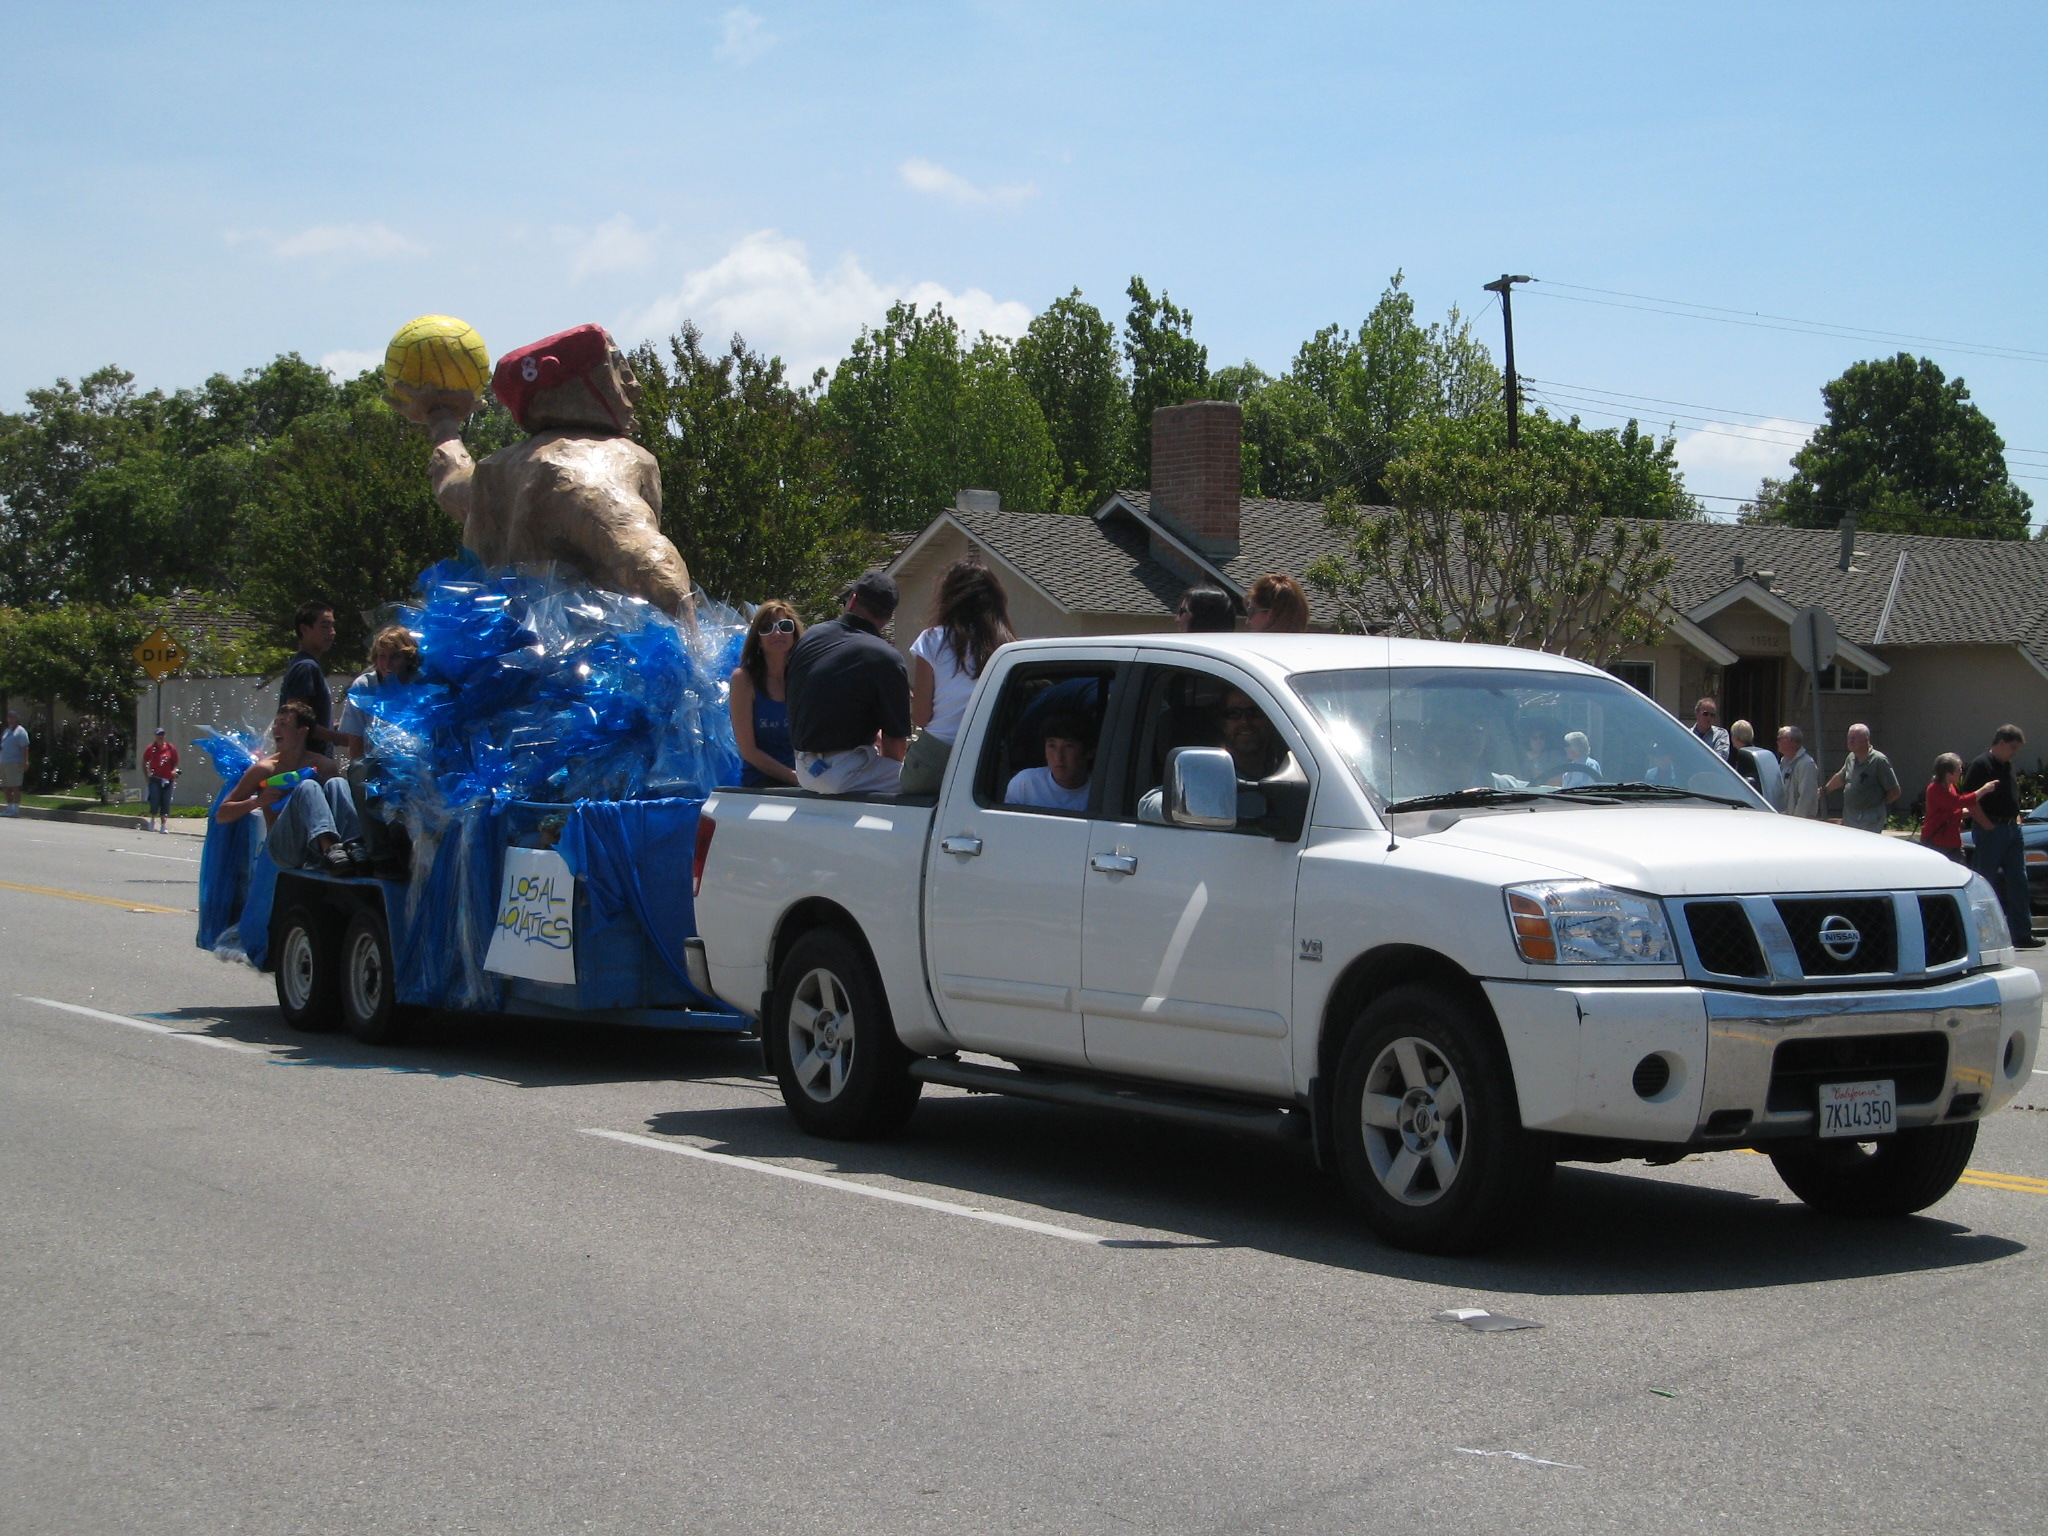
(771, 735)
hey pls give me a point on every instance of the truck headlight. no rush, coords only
(1575, 922)
(1988, 914)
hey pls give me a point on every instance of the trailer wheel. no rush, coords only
(833, 1045)
(1429, 1135)
(369, 1002)
(308, 970)
(1892, 1176)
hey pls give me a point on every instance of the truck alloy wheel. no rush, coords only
(1428, 1133)
(832, 1043)
(308, 980)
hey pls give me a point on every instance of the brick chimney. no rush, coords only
(1196, 477)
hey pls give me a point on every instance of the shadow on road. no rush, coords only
(1602, 1232)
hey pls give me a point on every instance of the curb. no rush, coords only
(102, 819)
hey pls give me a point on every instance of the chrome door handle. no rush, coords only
(1114, 863)
(965, 844)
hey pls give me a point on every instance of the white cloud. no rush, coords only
(1731, 458)
(616, 245)
(743, 36)
(765, 289)
(340, 242)
(935, 180)
(344, 364)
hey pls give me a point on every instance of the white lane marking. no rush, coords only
(154, 1029)
(848, 1187)
(137, 853)
(1534, 1461)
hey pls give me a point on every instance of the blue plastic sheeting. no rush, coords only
(634, 859)
(441, 925)
(235, 879)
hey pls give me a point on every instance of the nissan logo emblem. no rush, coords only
(1838, 936)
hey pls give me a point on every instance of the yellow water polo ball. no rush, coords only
(437, 352)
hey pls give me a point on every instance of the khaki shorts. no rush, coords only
(10, 775)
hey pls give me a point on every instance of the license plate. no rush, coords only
(1859, 1109)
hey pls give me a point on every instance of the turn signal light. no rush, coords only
(1532, 929)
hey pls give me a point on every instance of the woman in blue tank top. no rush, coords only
(760, 699)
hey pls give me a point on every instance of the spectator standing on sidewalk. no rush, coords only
(160, 775)
(1948, 809)
(1704, 715)
(1763, 763)
(13, 761)
(1868, 782)
(1802, 774)
(2001, 848)
(306, 679)
(849, 697)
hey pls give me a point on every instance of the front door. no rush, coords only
(1187, 964)
(1749, 691)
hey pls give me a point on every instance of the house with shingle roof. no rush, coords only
(1940, 640)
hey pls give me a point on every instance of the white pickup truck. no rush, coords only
(1450, 913)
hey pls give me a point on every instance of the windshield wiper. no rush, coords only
(1465, 799)
(1638, 791)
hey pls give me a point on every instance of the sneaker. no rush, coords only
(337, 860)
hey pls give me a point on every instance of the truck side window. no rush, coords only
(1185, 708)
(1039, 751)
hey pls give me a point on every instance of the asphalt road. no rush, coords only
(256, 1281)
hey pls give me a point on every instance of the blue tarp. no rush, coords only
(235, 879)
(625, 852)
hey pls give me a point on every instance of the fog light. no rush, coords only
(1653, 1076)
(2015, 1053)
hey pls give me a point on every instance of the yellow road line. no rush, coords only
(98, 901)
(2020, 1182)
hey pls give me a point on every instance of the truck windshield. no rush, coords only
(1416, 733)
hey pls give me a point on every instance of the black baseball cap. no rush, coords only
(874, 591)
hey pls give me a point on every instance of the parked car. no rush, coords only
(2034, 835)
(1329, 888)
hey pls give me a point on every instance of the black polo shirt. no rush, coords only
(846, 683)
(2003, 803)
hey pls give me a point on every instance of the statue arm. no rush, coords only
(449, 467)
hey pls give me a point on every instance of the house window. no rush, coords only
(1843, 678)
(1639, 675)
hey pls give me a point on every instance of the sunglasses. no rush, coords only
(781, 627)
(1243, 714)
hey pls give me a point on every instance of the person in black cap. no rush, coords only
(849, 697)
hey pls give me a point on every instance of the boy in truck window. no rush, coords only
(1062, 784)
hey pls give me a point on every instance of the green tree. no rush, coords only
(1499, 548)
(920, 416)
(753, 494)
(80, 654)
(1068, 360)
(1906, 450)
(1168, 366)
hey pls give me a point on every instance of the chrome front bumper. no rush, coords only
(1991, 1022)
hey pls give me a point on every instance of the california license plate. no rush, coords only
(1859, 1109)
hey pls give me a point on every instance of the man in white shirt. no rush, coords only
(13, 761)
(1802, 774)
(1062, 784)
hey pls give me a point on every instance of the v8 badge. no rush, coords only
(1311, 949)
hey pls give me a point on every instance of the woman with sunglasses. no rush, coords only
(970, 618)
(760, 697)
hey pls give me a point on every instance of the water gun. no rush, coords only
(291, 778)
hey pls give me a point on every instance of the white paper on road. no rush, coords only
(535, 932)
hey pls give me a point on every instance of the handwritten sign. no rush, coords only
(535, 932)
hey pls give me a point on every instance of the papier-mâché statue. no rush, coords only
(579, 490)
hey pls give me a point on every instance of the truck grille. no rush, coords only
(1917, 1063)
(1724, 940)
(1843, 935)
(1941, 917)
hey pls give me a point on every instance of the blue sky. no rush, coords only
(197, 188)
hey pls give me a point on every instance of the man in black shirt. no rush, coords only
(305, 678)
(2001, 855)
(849, 697)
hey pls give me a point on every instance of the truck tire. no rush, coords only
(369, 990)
(1429, 1135)
(833, 1045)
(308, 969)
(1892, 1176)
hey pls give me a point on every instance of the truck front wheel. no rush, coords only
(1429, 1135)
(1894, 1176)
(833, 1045)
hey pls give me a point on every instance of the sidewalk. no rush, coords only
(125, 821)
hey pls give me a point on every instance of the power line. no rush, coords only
(1745, 316)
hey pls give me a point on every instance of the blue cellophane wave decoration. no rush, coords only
(235, 879)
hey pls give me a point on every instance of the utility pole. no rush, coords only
(1505, 287)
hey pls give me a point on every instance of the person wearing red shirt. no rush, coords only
(1947, 808)
(160, 772)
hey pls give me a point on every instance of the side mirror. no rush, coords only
(1201, 788)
